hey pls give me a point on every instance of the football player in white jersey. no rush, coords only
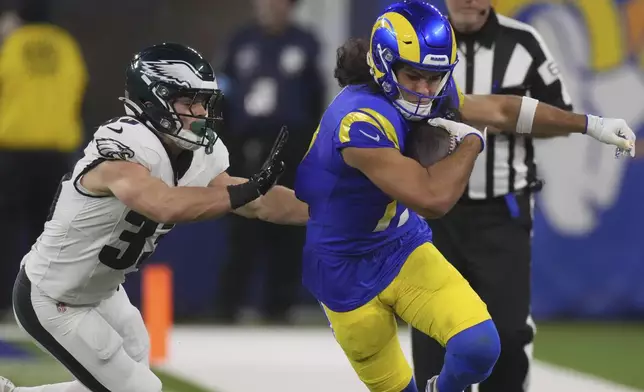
(160, 164)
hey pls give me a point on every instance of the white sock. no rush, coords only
(73, 386)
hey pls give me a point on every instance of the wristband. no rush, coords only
(594, 125)
(242, 194)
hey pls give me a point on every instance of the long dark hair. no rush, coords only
(351, 64)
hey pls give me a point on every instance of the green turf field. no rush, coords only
(44, 370)
(611, 351)
(614, 351)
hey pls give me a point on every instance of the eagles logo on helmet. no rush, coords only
(159, 75)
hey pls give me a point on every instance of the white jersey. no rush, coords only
(91, 242)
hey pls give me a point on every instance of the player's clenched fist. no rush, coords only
(459, 129)
(613, 131)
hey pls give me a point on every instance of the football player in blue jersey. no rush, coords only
(368, 253)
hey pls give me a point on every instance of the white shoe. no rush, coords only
(431, 385)
(6, 385)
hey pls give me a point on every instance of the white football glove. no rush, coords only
(459, 130)
(613, 131)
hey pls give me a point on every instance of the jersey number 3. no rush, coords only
(136, 240)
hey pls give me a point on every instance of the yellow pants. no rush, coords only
(428, 293)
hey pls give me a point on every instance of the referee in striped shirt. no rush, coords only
(487, 235)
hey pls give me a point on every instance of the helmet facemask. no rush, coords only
(422, 107)
(168, 121)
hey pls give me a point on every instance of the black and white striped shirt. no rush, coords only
(507, 57)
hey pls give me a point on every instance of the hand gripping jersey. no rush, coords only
(90, 242)
(357, 236)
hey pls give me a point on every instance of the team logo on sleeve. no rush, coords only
(113, 149)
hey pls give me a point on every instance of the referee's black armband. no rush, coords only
(242, 194)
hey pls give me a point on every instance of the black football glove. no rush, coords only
(273, 167)
(261, 182)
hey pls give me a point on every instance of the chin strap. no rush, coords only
(198, 128)
(131, 108)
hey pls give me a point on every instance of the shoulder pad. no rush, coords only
(219, 158)
(126, 138)
(205, 167)
(380, 104)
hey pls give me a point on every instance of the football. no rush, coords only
(428, 144)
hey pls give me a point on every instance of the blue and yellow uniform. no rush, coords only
(368, 257)
(351, 219)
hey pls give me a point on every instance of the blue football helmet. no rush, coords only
(417, 34)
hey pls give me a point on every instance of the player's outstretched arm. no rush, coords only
(432, 191)
(526, 115)
(279, 205)
(139, 190)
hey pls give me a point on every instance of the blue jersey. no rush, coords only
(357, 236)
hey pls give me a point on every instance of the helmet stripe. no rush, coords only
(380, 23)
(454, 48)
(406, 36)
